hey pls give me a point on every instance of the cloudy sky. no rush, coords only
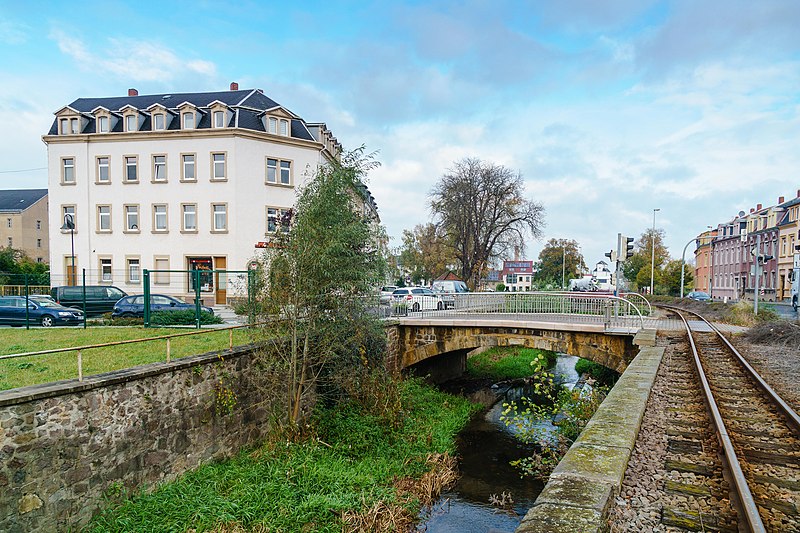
(609, 109)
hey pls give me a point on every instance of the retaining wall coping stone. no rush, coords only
(582, 486)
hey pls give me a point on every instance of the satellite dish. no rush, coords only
(741, 213)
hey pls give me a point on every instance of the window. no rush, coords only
(68, 170)
(69, 210)
(286, 171)
(103, 175)
(218, 162)
(159, 168)
(8, 222)
(10, 242)
(279, 171)
(132, 270)
(102, 124)
(64, 126)
(132, 218)
(188, 121)
(277, 220)
(38, 243)
(131, 170)
(284, 128)
(273, 125)
(189, 217)
(220, 216)
(104, 218)
(38, 224)
(219, 119)
(187, 168)
(74, 125)
(160, 217)
(159, 121)
(130, 123)
(161, 278)
(105, 269)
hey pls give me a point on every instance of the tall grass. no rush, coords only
(506, 362)
(349, 465)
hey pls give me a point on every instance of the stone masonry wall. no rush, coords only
(63, 446)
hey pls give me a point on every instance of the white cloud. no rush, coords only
(12, 32)
(133, 60)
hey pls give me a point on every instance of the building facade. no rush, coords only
(727, 271)
(789, 244)
(703, 261)
(762, 240)
(176, 182)
(23, 222)
(517, 275)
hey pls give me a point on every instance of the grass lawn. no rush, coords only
(306, 486)
(506, 362)
(38, 369)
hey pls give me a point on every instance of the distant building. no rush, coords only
(603, 277)
(702, 262)
(517, 275)
(789, 236)
(448, 276)
(490, 281)
(23, 222)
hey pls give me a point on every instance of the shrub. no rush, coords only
(603, 375)
(182, 318)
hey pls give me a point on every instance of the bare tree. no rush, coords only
(482, 209)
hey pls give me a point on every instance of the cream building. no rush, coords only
(192, 181)
(23, 222)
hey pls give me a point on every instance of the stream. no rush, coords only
(485, 447)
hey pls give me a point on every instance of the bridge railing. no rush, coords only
(571, 307)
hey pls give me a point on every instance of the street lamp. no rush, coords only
(683, 256)
(563, 268)
(69, 224)
(653, 255)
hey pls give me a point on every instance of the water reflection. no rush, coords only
(485, 448)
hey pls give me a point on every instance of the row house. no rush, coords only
(517, 275)
(762, 239)
(719, 270)
(789, 235)
(702, 261)
(176, 182)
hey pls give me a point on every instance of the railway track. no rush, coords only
(757, 433)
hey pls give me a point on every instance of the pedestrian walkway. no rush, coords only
(675, 324)
(228, 316)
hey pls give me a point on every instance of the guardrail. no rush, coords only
(167, 338)
(570, 307)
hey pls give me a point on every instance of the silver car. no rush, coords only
(418, 298)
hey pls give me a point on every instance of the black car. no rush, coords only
(133, 306)
(99, 298)
(43, 312)
(699, 296)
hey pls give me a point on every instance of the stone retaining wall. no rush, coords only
(65, 445)
(580, 490)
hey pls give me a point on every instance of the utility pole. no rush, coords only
(563, 266)
(653, 258)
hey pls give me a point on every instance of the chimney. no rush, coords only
(758, 207)
(752, 209)
(234, 86)
(516, 253)
(133, 92)
(798, 193)
(781, 199)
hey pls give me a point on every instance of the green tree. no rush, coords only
(671, 277)
(637, 268)
(482, 209)
(426, 252)
(15, 266)
(320, 274)
(558, 252)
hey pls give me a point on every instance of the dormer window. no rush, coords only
(64, 122)
(273, 125)
(130, 123)
(188, 121)
(159, 121)
(219, 119)
(102, 124)
(73, 122)
(284, 128)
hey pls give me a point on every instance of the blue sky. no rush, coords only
(608, 109)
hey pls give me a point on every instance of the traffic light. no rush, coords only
(612, 255)
(624, 247)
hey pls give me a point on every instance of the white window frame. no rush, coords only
(106, 262)
(163, 118)
(272, 125)
(98, 168)
(131, 120)
(74, 126)
(68, 171)
(64, 126)
(103, 124)
(133, 270)
(157, 215)
(131, 212)
(71, 209)
(277, 214)
(162, 165)
(215, 164)
(126, 162)
(193, 165)
(275, 172)
(184, 121)
(216, 228)
(186, 212)
(101, 216)
(283, 127)
(219, 119)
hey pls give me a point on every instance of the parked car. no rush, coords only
(700, 296)
(448, 289)
(418, 298)
(43, 312)
(41, 298)
(99, 299)
(386, 293)
(133, 306)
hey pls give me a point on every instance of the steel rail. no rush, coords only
(743, 492)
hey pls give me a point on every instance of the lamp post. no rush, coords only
(653, 254)
(563, 267)
(683, 256)
(69, 224)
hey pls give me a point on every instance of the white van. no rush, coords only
(448, 288)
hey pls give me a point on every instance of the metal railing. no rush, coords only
(168, 345)
(571, 307)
